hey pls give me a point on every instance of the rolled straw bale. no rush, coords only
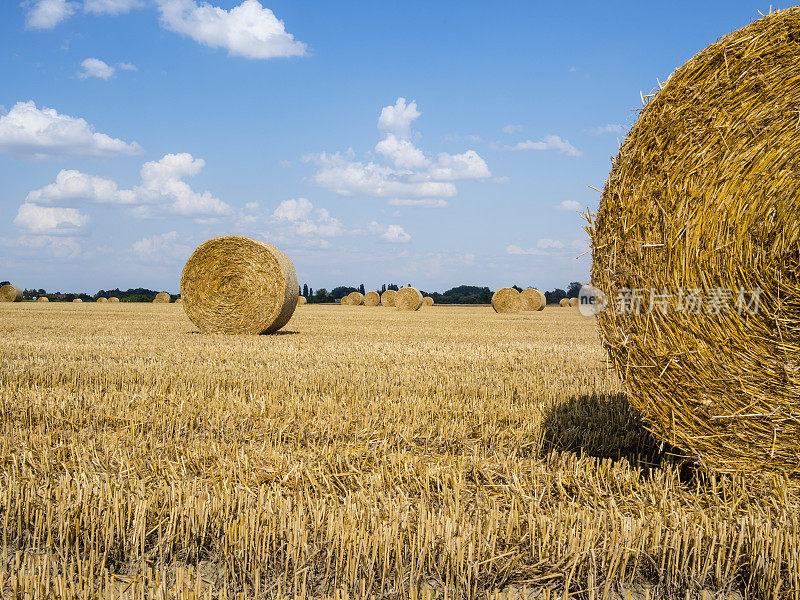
(573, 302)
(300, 300)
(532, 299)
(506, 300)
(704, 195)
(408, 298)
(43, 299)
(427, 301)
(355, 298)
(101, 299)
(10, 293)
(388, 298)
(178, 300)
(564, 302)
(113, 299)
(161, 298)
(233, 284)
(77, 300)
(345, 301)
(372, 299)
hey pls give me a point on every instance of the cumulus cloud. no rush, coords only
(305, 220)
(452, 167)
(163, 247)
(402, 153)
(28, 131)
(111, 7)
(610, 128)
(549, 142)
(548, 247)
(511, 129)
(394, 234)
(248, 30)
(56, 246)
(46, 14)
(569, 205)
(127, 66)
(397, 119)
(94, 67)
(162, 187)
(49, 219)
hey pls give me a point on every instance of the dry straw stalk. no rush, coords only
(10, 293)
(388, 298)
(703, 197)
(533, 299)
(233, 284)
(408, 298)
(372, 299)
(506, 300)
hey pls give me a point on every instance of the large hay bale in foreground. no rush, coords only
(355, 298)
(388, 298)
(427, 301)
(702, 206)
(573, 302)
(43, 299)
(372, 299)
(564, 302)
(115, 299)
(162, 298)
(233, 284)
(102, 299)
(506, 300)
(10, 293)
(408, 298)
(532, 299)
(300, 300)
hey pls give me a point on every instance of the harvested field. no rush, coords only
(292, 464)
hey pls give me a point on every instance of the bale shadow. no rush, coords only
(607, 426)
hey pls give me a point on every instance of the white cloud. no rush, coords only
(451, 167)
(394, 234)
(548, 247)
(161, 188)
(402, 153)
(610, 128)
(512, 249)
(56, 246)
(162, 247)
(428, 202)
(46, 14)
(306, 221)
(546, 243)
(569, 205)
(94, 67)
(111, 7)
(127, 66)
(49, 219)
(249, 30)
(397, 119)
(511, 129)
(549, 142)
(31, 132)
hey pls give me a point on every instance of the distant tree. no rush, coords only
(2, 283)
(362, 289)
(555, 296)
(310, 292)
(341, 291)
(305, 290)
(383, 288)
(516, 287)
(321, 295)
(574, 289)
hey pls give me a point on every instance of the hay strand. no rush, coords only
(506, 300)
(10, 293)
(408, 298)
(372, 299)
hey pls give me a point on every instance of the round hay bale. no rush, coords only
(101, 299)
(704, 195)
(233, 284)
(10, 293)
(408, 298)
(77, 300)
(161, 298)
(372, 299)
(532, 299)
(355, 298)
(178, 300)
(345, 301)
(113, 299)
(573, 302)
(564, 302)
(300, 300)
(427, 301)
(388, 298)
(43, 299)
(506, 300)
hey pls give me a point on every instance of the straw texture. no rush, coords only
(10, 293)
(532, 299)
(506, 300)
(43, 299)
(300, 300)
(427, 301)
(408, 298)
(233, 284)
(161, 298)
(564, 302)
(704, 195)
(372, 299)
(388, 297)
(355, 298)
(115, 299)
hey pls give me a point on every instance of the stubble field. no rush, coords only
(361, 451)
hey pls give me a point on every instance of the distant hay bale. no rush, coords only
(564, 302)
(178, 300)
(355, 298)
(372, 299)
(101, 299)
(233, 284)
(427, 301)
(408, 298)
(77, 300)
(43, 299)
(532, 299)
(388, 298)
(573, 302)
(699, 217)
(161, 298)
(345, 301)
(10, 293)
(300, 300)
(113, 299)
(506, 300)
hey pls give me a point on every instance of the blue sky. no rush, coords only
(431, 143)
